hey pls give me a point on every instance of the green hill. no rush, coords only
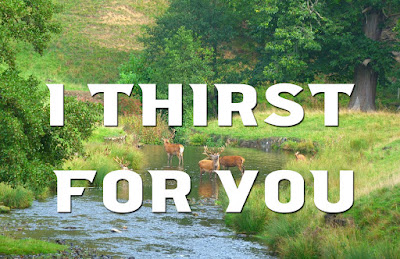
(97, 37)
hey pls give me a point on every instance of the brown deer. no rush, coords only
(232, 161)
(300, 157)
(173, 150)
(122, 163)
(210, 166)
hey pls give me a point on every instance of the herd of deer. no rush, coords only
(213, 161)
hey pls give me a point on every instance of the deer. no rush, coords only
(232, 161)
(174, 150)
(210, 166)
(300, 157)
(122, 163)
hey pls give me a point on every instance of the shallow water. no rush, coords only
(200, 234)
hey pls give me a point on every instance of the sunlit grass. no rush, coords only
(368, 144)
(96, 38)
(10, 246)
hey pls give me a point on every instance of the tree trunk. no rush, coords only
(365, 78)
(363, 97)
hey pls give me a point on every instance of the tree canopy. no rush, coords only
(288, 41)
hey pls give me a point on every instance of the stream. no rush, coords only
(200, 234)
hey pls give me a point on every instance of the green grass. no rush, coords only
(101, 156)
(10, 246)
(312, 127)
(368, 144)
(97, 37)
(16, 198)
(104, 132)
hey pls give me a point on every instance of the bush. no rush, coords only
(198, 139)
(305, 146)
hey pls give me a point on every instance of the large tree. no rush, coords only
(29, 147)
(214, 25)
(340, 39)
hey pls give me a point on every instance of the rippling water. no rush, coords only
(200, 234)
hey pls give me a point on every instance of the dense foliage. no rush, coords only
(29, 147)
(28, 21)
(258, 42)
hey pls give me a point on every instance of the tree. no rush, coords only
(339, 39)
(213, 24)
(25, 21)
(179, 59)
(30, 148)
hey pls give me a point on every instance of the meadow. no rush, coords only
(368, 144)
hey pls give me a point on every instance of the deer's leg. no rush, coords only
(182, 158)
(240, 169)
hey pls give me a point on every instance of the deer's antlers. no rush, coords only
(123, 164)
(208, 152)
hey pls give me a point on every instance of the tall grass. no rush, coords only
(368, 144)
(16, 198)
(100, 157)
(253, 217)
(146, 135)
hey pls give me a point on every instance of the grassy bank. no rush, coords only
(10, 246)
(368, 144)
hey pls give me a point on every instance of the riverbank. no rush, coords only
(368, 144)
(97, 154)
(10, 246)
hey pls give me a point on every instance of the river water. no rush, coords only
(200, 234)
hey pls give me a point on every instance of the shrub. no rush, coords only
(306, 146)
(198, 139)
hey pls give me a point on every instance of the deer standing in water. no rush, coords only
(232, 161)
(173, 150)
(210, 166)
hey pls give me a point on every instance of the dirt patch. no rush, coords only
(123, 15)
(117, 26)
(84, 96)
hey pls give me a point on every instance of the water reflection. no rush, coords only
(200, 234)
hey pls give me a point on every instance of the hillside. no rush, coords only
(96, 38)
